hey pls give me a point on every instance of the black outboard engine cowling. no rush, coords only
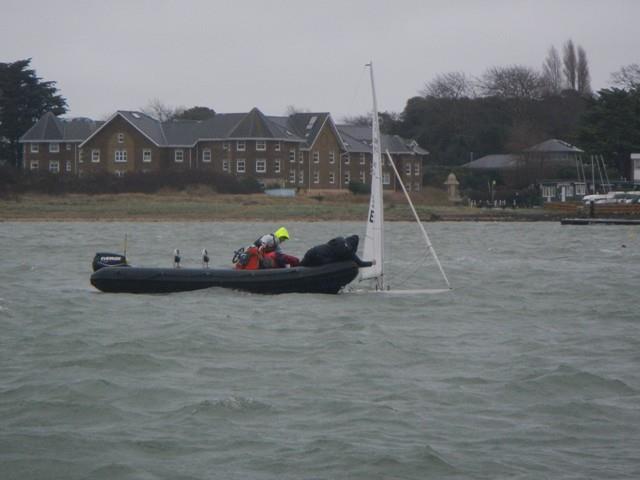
(101, 260)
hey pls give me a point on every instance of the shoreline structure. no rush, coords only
(206, 207)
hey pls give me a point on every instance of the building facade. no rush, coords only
(303, 150)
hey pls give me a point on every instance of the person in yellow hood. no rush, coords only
(270, 246)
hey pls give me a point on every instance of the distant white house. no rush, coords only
(635, 167)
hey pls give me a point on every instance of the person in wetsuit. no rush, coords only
(337, 249)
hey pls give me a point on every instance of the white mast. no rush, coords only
(374, 236)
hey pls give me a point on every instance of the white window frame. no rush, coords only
(292, 155)
(316, 176)
(416, 187)
(300, 156)
(261, 165)
(35, 148)
(347, 178)
(408, 186)
(316, 156)
(178, 155)
(54, 166)
(332, 178)
(276, 146)
(226, 146)
(95, 155)
(225, 165)
(68, 166)
(292, 176)
(119, 173)
(241, 165)
(241, 146)
(206, 155)
(68, 146)
(277, 165)
(119, 156)
(261, 145)
(332, 157)
(347, 159)
(363, 158)
(549, 191)
(581, 189)
(146, 155)
(416, 170)
(301, 176)
(363, 176)
(120, 137)
(81, 155)
(54, 148)
(386, 178)
(34, 165)
(407, 169)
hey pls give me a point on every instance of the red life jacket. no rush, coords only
(249, 259)
(269, 260)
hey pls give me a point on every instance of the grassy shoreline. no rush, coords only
(207, 206)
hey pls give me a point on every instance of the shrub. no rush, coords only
(359, 188)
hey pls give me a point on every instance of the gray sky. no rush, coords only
(236, 54)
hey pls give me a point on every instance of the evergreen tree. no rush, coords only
(24, 98)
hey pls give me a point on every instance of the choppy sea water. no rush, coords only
(528, 369)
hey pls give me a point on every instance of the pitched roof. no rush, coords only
(554, 146)
(51, 128)
(357, 139)
(495, 162)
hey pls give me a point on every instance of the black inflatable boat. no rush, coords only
(113, 274)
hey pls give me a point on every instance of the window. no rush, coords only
(261, 166)
(226, 146)
(332, 157)
(34, 165)
(347, 159)
(316, 157)
(347, 178)
(240, 166)
(95, 155)
(292, 176)
(316, 176)
(261, 145)
(362, 158)
(178, 156)
(54, 147)
(581, 189)
(548, 191)
(206, 155)
(277, 165)
(121, 138)
(408, 186)
(81, 155)
(225, 165)
(120, 156)
(146, 155)
(363, 177)
(68, 146)
(35, 148)
(416, 187)
(332, 178)
(292, 155)
(300, 157)
(301, 176)
(407, 168)
(68, 165)
(119, 173)
(241, 146)
(54, 166)
(386, 178)
(276, 147)
(416, 169)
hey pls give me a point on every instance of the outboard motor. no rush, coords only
(101, 260)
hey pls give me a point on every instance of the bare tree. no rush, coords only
(515, 81)
(451, 85)
(157, 109)
(570, 63)
(628, 77)
(552, 72)
(292, 109)
(582, 73)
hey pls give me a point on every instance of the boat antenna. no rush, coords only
(125, 246)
